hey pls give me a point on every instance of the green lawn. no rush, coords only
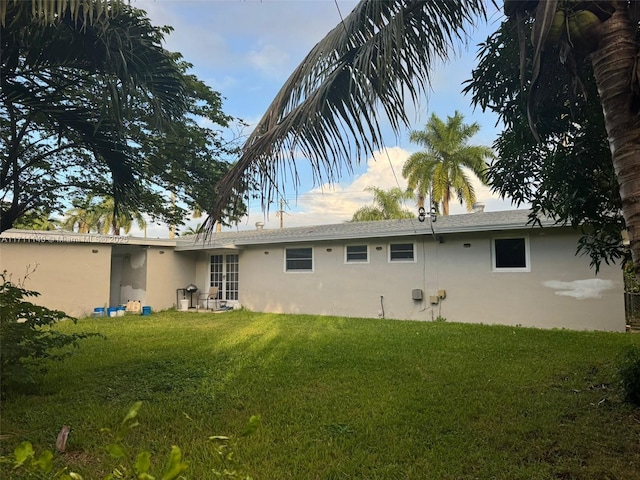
(341, 398)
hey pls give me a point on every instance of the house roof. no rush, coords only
(472, 222)
(61, 236)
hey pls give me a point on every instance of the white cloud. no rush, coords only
(337, 203)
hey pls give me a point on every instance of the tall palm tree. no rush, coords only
(94, 214)
(439, 170)
(112, 220)
(191, 230)
(82, 217)
(387, 205)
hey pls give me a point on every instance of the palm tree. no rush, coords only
(387, 205)
(439, 169)
(191, 230)
(112, 221)
(99, 215)
(48, 11)
(82, 217)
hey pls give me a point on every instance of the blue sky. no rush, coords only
(246, 49)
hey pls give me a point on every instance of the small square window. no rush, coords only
(299, 259)
(401, 252)
(357, 254)
(511, 254)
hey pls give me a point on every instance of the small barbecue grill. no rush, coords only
(191, 289)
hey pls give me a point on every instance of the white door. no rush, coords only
(224, 274)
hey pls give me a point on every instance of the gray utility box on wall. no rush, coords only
(416, 294)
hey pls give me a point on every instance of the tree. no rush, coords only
(66, 89)
(193, 230)
(46, 11)
(112, 221)
(569, 175)
(96, 105)
(187, 160)
(37, 219)
(82, 218)
(98, 214)
(603, 35)
(387, 205)
(439, 169)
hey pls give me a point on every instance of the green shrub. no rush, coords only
(28, 339)
(629, 370)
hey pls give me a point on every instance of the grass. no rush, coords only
(341, 398)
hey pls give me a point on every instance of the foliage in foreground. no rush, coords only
(629, 371)
(129, 464)
(568, 175)
(28, 338)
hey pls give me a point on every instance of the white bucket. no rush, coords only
(184, 305)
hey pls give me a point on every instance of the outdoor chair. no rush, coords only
(211, 296)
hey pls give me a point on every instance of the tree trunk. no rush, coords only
(613, 64)
(445, 201)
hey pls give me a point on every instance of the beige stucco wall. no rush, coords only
(202, 276)
(166, 272)
(72, 277)
(77, 277)
(559, 291)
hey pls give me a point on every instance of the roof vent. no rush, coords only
(478, 207)
(259, 225)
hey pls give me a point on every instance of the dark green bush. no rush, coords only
(629, 370)
(27, 337)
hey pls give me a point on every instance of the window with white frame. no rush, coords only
(356, 254)
(510, 254)
(402, 252)
(299, 259)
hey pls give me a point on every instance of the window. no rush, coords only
(357, 254)
(511, 254)
(401, 252)
(299, 259)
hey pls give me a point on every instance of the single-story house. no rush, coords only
(482, 267)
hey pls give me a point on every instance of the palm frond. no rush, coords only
(50, 11)
(327, 111)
